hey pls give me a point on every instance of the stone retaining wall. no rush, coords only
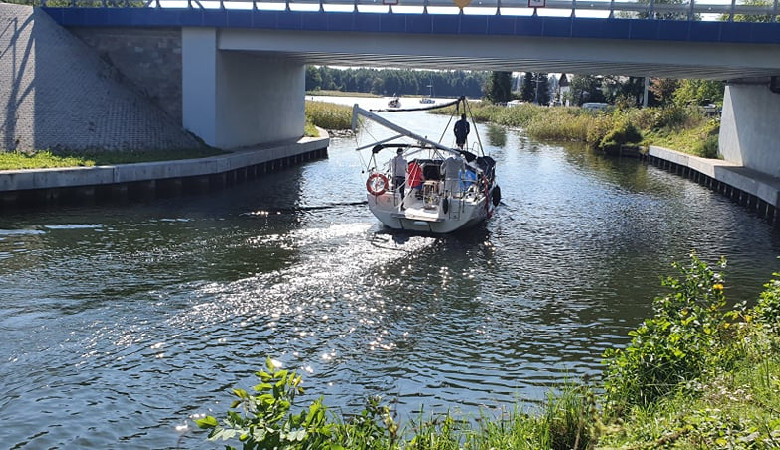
(57, 93)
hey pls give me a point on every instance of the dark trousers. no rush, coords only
(399, 183)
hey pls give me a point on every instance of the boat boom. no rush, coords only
(357, 110)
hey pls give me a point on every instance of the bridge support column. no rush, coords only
(233, 99)
(749, 131)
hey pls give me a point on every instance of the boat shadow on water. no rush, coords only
(385, 235)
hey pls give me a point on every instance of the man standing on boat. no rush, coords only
(398, 164)
(462, 129)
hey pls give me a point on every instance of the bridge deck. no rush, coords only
(462, 24)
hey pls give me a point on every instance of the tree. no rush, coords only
(527, 89)
(630, 92)
(542, 89)
(313, 79)
(657, 15)
(585, 88)
(698, 92)
(453, 83)
(765, 18)
(499, 87)
(663, 89)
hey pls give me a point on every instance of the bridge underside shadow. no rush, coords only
(234, 99)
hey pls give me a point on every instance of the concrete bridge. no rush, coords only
(242, 64)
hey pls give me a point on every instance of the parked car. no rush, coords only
(595, 106)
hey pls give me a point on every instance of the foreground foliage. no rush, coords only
(690, 331)
(699, 374)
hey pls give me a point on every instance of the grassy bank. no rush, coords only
(681, 129)
(697, 375)
(318, 114)
(45, 159)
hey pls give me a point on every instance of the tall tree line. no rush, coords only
(386, 82)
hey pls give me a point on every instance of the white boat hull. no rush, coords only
(427, 216)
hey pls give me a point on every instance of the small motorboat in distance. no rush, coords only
(394, 102)
(418, 184)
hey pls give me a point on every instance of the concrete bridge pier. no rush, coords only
(750, 126)
(234, 99)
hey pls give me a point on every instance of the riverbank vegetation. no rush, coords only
(701, 373)
(328, 116)
(684, 129)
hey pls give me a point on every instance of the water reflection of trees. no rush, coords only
(496, 135)
(627, 172)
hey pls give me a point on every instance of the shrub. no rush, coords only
(672, 117)
(622, 132)
(687, 334)
(599, 128)
(768, 307)
(561, 127)
(267, 422)
(706, 143)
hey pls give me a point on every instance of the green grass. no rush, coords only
(45, 159)
(323, 115)
(737, 408)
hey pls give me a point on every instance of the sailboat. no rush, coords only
(429, 99)
(443, 189)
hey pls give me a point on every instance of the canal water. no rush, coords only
(121, 323)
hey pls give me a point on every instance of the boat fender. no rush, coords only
(496, 196)
(445, 205)
(377, 183)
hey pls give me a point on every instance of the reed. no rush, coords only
(683, 129)
(329, 115)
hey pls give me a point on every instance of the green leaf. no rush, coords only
(207, 422)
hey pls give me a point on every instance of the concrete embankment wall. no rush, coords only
(756, 191)
(57, 93)
(148, 58)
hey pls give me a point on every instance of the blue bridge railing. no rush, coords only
(711, 10)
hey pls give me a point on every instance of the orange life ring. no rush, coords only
(377, 183)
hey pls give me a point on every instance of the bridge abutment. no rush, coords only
(749, 128)
(235, 99)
